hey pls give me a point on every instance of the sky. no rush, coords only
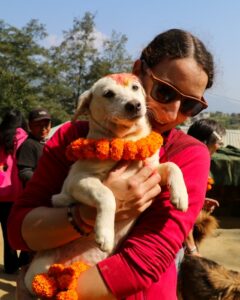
(215, 22)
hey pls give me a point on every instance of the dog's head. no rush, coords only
(115, 102)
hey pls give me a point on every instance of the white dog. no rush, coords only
(116, 107)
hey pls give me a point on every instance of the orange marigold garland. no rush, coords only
(210, 183)
(60, 282)
(115, 149)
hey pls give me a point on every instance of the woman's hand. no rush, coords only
(136, 193)
(133, 195)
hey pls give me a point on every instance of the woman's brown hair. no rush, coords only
(177, 43)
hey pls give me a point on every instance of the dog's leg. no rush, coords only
(92, 192)
(171, 175)
(40, 264)
(62, 200)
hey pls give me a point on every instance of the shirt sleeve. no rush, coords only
(160, 231)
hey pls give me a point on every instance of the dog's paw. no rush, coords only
(105, 239)
(179, 198)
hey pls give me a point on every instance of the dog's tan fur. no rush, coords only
(116, 106)
(205, 226)
(204, 279)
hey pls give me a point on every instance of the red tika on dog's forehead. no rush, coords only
(124, 79)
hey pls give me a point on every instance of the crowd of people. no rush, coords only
(21, 145)
(175, 68)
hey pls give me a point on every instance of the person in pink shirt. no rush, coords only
(175, 69)
(12, 134)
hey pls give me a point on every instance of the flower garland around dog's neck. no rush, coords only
(114, 149)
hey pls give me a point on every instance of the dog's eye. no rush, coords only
(135, 87)
(108, 94)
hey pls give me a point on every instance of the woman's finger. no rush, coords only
(144, 173)
(120, 168)
(149, 197)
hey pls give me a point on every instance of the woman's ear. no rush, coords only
(137, 67)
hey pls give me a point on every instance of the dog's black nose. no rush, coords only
(133, 106)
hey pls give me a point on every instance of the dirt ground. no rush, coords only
(223, 247)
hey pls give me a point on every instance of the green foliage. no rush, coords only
(229, 121)
(32, 75)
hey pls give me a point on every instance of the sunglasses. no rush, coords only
(164, 92)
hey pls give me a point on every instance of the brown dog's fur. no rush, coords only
(204, 279)
(201, 278)
(205, 226)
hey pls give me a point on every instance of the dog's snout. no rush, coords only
(133, 106)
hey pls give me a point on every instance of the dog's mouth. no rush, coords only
(120, 125)
(127, 119)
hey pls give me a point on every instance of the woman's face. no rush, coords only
(215, 146)
(187, 76)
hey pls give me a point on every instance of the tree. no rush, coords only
(73, 57)
(113, 59)
(20, 57)
(32, 75)
(25, 69)
(82, 60)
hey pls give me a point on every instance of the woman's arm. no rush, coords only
(151, 247)
(55, 229)
(93, 278)
(33, 219)
(47, 224)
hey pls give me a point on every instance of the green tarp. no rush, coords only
(225, 166)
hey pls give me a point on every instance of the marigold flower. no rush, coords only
(115, 149)
(210, 180)
(88, 149)
(44, 286)
(102, 149)
(62, 283)
(67, 282)
(210, 183)
(55, 270)
(209, 187)
(67, 295)
(79, 267)
(130, 150)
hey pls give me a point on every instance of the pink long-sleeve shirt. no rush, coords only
(143, 267)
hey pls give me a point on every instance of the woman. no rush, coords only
(12, 135)
(211, 133)
(175, 69)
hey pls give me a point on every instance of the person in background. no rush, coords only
(211, 133)
(175, 69)
(39, 122)
(13, 132)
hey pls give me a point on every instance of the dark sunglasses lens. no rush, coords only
(190, 107)
(163, 93)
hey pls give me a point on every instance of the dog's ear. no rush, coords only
(83, 104)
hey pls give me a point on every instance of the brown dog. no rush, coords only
(205, 226)
(203, 279)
